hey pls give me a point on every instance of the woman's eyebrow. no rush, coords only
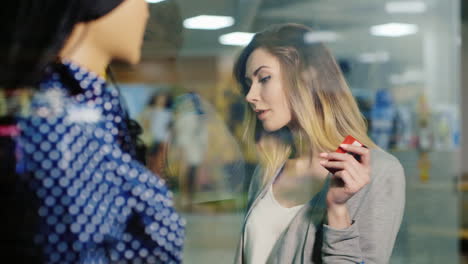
(257, 70)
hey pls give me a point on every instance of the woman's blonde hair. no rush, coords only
(323, 108)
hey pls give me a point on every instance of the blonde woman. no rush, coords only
(301, 109)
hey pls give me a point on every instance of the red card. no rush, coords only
(350, 141)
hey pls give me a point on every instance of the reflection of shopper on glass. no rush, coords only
(97, 204)
(191, 138)
(298, 212)
(156, 120)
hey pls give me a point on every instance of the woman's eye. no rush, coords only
(265, 79)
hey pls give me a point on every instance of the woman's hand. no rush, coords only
(350, 177)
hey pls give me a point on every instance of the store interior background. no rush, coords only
(417, 67)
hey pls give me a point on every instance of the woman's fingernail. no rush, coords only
(343, 145)
(323, 154)
(322, 162)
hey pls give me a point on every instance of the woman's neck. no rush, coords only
(306, 165)
(304, 161)
(82, 50)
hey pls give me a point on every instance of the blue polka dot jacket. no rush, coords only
(80, 163)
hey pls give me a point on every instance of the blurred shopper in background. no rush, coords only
(156, 121)
(308, 203)
(191, 139)
(383, 115)
(95, 201)
(204, 158)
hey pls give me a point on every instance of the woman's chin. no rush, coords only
(269, 128)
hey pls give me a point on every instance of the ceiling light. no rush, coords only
(208, 22)
(406, 7)
(321, 36)
(236, 38)
(394, 30)
(374, 57)
(154, 1)
(409, 76)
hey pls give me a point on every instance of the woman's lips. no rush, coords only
(261, 114)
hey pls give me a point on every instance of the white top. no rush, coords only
(191, 134)
(160, 121)
(267, 221)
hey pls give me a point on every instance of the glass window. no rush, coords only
(400, 59)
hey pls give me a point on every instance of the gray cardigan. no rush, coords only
(376, 212)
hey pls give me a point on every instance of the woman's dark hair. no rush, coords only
(154, 98)
(134, 129)
(34, 31)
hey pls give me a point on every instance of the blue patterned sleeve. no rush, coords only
(97, 202)
(146, 195)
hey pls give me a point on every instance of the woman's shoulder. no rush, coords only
(386, 166)
(50, 98)
(382, 157)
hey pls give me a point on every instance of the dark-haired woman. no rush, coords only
(96, 202)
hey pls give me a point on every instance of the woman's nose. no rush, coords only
(253, 95)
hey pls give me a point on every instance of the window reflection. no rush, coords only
(399, 58)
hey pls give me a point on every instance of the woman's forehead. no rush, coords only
(261, 59)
